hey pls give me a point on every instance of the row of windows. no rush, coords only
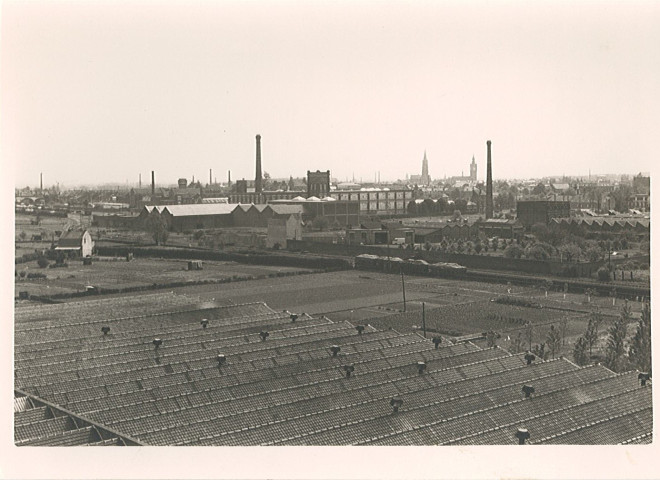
(373, 196)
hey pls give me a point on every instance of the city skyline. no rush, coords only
(116, 92)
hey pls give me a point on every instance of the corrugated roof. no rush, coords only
(200, 209)
(286, 209)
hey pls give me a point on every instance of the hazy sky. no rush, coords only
(103, 91)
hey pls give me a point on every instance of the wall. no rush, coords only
(269, 258)
(87, 244)
(277, 234)
(471, 261)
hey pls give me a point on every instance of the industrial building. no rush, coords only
(180, 218)
(377, 201)
(336, 212)
(606, 225)
(530, 212)
(102, 372)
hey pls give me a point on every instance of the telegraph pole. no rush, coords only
(424, 319)
(403, 287)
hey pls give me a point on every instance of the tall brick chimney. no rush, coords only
(489, 183)
(257, 178)
(153, 183)
(210, 176)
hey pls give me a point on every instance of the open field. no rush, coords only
(452, 307)
(459, 306)
(136, 273)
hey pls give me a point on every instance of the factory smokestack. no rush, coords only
(41, 182)
(257, 178)
(153, 183)
(140, 180)
(229, 177)
(210, 176)
(489, 183)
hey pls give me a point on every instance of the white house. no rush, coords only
(79, 242)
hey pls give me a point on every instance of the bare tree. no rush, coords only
(553, 340)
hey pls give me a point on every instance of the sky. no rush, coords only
(95, 92)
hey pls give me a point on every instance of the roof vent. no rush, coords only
(221, 359)
(157, 342)
(335, 349)
(105, 330)
(527, 390)
(643, 377)
(264, 335)
(396, 403)
(204, 322)
(360, 329)
(437, 341)
(530, 357)
(349, 369)
(293, 317)
(522, 434)
(421, 366)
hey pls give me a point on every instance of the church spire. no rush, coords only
(425, 179)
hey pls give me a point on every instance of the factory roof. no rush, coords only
(166, 369)
(200, 209)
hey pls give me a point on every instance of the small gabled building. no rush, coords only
(76, 243)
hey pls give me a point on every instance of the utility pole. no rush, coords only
(424, 319)
(403, 287)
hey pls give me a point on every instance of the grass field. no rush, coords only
(138, 272)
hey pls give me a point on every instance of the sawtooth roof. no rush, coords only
(287, 388)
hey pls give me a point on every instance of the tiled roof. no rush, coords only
(287, 387)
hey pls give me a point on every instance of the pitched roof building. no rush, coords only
(79, 242)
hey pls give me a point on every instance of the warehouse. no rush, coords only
(198, 216)
(180, 218)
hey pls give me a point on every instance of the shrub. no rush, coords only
(603, 274)
(537, 252)
(42, 262)
(520, 302)
(513, 251)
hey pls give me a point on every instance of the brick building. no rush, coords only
(318, 183)
(530, 212)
